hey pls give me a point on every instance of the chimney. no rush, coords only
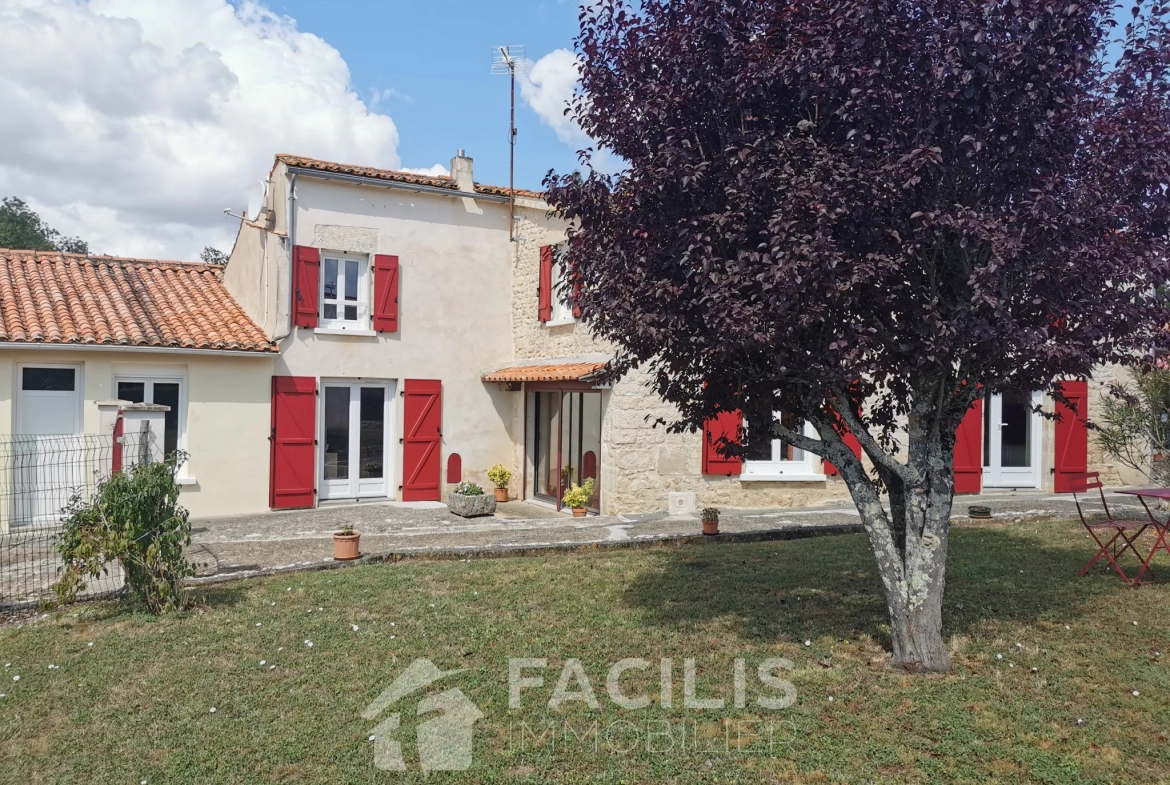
(462, 172)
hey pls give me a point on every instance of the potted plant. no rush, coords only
(710, 521)
(345, 544)
(468, 500)
(500, 475)
(577, 497)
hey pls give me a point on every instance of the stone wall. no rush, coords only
(641, 463)
(532, 339)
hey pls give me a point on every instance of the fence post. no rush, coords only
(117, 462)
(145, 444)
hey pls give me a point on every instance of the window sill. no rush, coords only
(561, 322)
(186, 481)
(808, 477)
(340, 331)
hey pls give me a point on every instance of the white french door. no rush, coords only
(1011, 440)
(355, 439)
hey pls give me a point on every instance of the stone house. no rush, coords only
(422, 340)
(383, 335)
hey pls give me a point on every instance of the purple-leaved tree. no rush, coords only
(865, 215)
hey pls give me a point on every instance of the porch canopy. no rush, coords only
(548, 372)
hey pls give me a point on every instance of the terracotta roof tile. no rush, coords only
(553, 372)
(433, 181)
(49, 297)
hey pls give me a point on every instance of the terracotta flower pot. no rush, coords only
(579, 512)
(711, 528)
(345, 546)
(501, 494)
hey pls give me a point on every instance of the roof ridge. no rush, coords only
(320, 164)
(103, 258)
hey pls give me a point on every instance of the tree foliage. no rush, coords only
(212, 255)
(1134, 425)
(867, 214)
(133, 519)
(22, 229)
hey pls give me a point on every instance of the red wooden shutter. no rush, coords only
(969, 451)
(422, 421)
(724, 424)
(293, 442)
(306, 285)
(544, 284)
(1072, 437)
(385, 293)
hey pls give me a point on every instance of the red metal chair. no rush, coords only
(1098, 530)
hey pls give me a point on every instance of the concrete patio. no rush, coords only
(240, 546)
(248, 545)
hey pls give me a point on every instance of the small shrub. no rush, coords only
(500, 475)
(578, 495)
(710, 514)
(134, 519)
(467, 488)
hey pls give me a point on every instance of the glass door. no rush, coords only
(1011, 440)
(546, 458)
(353, 447)
(566, 444)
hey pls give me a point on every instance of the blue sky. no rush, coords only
(433, 57)
(132, 124)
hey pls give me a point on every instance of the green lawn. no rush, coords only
(135, 705)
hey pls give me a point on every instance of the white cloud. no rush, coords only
(547, 86)
(133, 123)
(431, 171)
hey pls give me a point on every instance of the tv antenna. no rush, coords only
(507, 60)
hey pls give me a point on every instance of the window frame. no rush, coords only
(810, 467)
(150, 379)
(364, 302)
(562, 310)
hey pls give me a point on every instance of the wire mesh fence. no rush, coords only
(39, 475)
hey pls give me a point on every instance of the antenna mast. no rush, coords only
(506, 60)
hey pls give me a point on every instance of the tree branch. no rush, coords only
(874, 450)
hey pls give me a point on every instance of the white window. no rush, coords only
(345, 292)
(562, 311)
(170, 391)
(777, 460)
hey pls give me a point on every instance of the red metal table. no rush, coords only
(1160, 528)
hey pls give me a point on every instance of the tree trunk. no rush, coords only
(918, 643)
(909, 542)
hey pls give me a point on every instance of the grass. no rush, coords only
(135, 705)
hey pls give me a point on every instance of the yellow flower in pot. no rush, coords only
(577, 497)
(500, 475)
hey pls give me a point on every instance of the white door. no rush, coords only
(355, 440)
(49, 451)
(1011, 440)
